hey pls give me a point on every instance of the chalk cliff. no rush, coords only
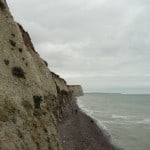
(32, 98)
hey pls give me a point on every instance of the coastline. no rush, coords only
(78, 131)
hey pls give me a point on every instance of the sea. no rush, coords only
(124, 117)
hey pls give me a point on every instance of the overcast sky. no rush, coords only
(104, 45)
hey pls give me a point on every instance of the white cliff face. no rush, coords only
(76, 90)
(32, 98)
(23, 75)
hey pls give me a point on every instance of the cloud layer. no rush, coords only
(102, 44)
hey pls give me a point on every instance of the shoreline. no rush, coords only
(78, 131)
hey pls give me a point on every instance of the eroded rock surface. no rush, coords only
(32, 98)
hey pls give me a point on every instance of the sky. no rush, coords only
(103, 45)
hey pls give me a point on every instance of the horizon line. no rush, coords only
(116, 93)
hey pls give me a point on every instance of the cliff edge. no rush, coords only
(32, 98)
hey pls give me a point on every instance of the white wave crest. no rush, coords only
(84, 109)
(145, 121)
(90, 113)
(114, 116)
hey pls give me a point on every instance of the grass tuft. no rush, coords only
(18, 72)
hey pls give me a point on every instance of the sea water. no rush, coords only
(125, 117)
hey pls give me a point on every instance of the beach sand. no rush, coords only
(78, 131)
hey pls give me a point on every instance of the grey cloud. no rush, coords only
(103, 45)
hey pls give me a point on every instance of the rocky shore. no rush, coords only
(78, 131)
(37, 110)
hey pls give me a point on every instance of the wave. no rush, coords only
(80, 104)
(114, 116)
(117, 119)
(88, 111)
(97, 121)
(128, 120)
(145, 121)
(84, 109)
